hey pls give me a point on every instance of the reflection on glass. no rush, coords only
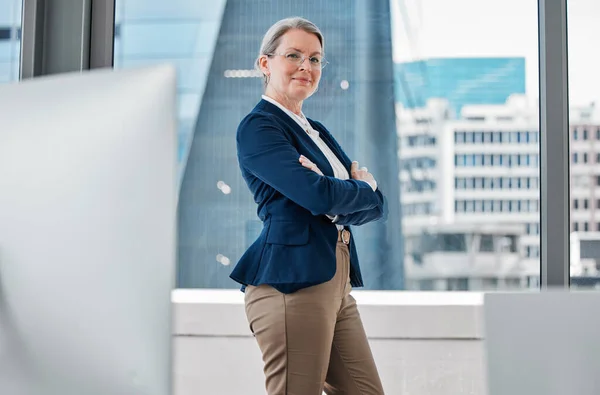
(464, 108)
(584, 119)
(10, 40)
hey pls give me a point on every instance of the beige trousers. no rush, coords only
(313, 340)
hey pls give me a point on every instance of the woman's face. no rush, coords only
(294, 70)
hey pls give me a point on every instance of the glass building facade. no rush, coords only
(459, 80)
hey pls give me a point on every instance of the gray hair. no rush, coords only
(273, 36)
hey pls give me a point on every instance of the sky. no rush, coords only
(496, 28)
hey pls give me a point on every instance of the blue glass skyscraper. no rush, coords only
(459, 80)
(217, 216)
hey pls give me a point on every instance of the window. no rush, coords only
(488, 206)
(486, 243)
(478, 137)
(214, 47)
(583, 80)
(533, 229)
(487, 160)
(497, 138)
(459, 137)
(10, 40)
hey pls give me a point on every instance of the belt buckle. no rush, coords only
(345, 236)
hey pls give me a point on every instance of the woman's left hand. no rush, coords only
(309, 165)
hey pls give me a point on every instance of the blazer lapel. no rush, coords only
(319, 157)
(332, 144)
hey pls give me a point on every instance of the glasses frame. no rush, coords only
(300, 62)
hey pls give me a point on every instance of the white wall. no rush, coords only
(424, 343)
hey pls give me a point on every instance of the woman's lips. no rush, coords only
(303, 80)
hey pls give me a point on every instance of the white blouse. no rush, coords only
(339, 171)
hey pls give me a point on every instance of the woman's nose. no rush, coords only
(302, 64)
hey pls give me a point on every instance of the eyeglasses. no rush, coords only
(297, 59)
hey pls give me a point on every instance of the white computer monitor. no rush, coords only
(542, 343)
(88, 174)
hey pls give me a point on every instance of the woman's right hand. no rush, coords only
(363, 175)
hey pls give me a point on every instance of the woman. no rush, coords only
(298, 274)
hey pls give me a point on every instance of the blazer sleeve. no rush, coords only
(363, 217)
(265, 151)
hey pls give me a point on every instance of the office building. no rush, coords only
(480, 174)
(585, 168)
(477, 177)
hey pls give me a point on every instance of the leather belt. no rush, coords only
(344, 236)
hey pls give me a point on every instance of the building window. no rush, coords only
(5, 33)
(585, 134)
(575, 204)
(534, 137)
(488, 206)
(470, 206)
(497, 206)
(533, 229)
(576, 227)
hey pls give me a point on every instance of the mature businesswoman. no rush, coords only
(299, 272)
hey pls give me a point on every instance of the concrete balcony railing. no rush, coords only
(424, 343)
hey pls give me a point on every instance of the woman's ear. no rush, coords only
(263, 63)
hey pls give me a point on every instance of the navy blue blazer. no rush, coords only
(296, 248)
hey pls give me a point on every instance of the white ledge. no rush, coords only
(379, 298)
(385, 314)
